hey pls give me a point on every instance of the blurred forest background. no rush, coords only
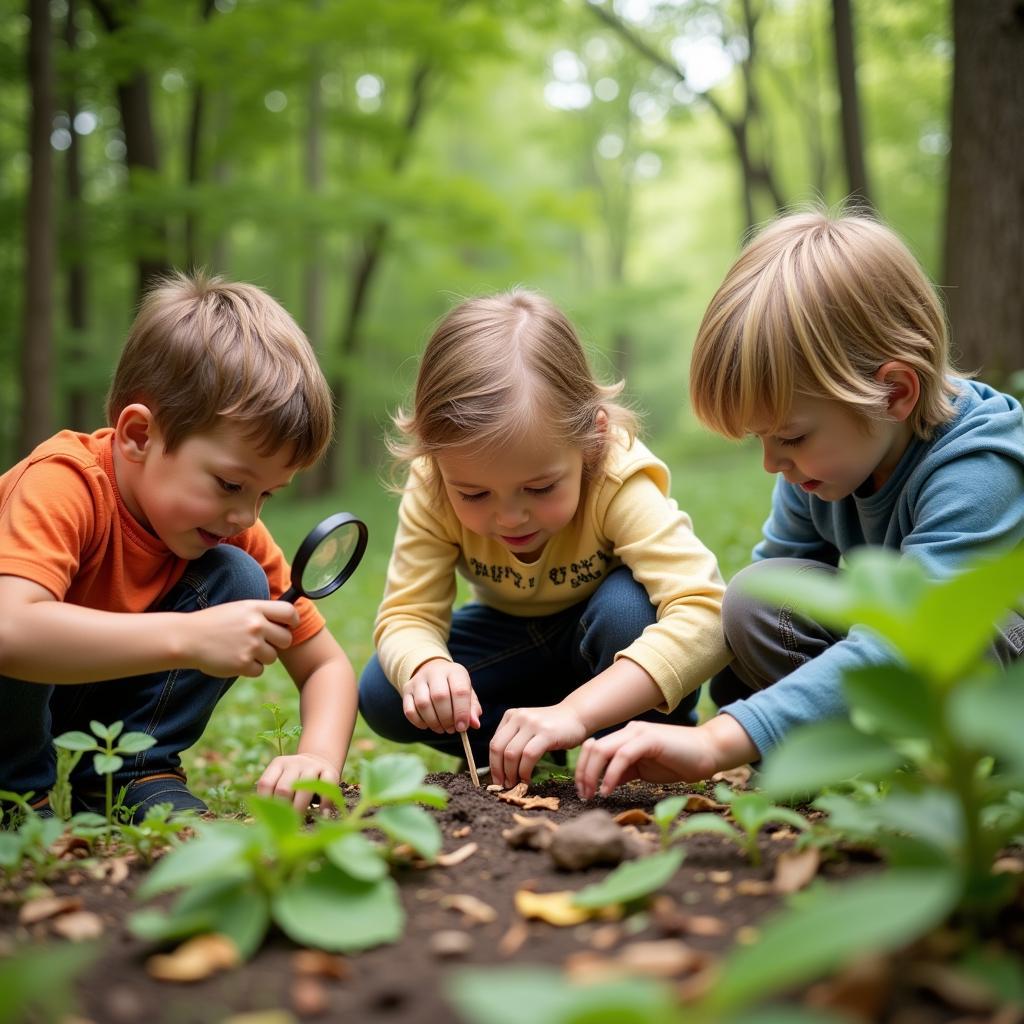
(369, 162)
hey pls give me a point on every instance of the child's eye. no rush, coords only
(789, 442)
(226, 485)
(479, 496)
(541, 490)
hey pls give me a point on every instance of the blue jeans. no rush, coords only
(519, 662)
(173, 707)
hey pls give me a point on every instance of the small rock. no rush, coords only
(592, 838)
(450, 943)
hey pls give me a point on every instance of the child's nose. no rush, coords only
(773, 462)
(510, 516)
(243, 516)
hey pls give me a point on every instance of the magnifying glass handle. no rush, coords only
(291, 594)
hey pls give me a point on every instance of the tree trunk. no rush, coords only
(984, 249)
(78, 399)
(37, 339)
(849, 102)
(193, 159)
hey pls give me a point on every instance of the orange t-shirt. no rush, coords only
(64, 526)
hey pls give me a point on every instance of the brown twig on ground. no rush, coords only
(469, 760)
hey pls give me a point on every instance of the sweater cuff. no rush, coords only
(660, 670)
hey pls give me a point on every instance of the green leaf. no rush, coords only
(75, 740)
(107, 764)
(930, 814)
(327, 790)
(358, 857)
(134, 742)
(114, 730)
(331, 910)
(986, 715)
(666, 811)
(219, 851)
(398, 778)
(824, 754)
(36, 981)
(897, 701)
(412, 825)
(706, 823)
(631, 881)
(279, 816)
(100, 729)
(542, 996)
(832, 925)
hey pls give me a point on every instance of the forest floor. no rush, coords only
(465, 915)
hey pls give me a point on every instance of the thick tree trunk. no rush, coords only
(849, 102)
(984, 257)
(37, 338)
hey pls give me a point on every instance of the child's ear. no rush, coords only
(135, 431)
(601, 421)
(904, 388)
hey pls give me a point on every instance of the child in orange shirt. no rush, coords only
(216, 402)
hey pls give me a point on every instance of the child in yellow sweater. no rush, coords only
(594, 601)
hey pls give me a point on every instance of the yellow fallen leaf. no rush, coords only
(553, 907)
(195, 959)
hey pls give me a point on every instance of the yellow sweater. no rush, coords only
(625, 517)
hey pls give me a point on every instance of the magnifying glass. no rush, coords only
(327, 557)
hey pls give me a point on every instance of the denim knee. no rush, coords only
(380, 704)
(223, 574)
(617, 613)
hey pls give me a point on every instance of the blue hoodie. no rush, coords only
(949, 499)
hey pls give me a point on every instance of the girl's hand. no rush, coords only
(283, 771)
(525, 735)
(440, 697)
(645, 750)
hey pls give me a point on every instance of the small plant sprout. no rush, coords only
(326, 886)
(159, 830)
(60, 794)
(279, 737)
(30, 840)
(108, 744)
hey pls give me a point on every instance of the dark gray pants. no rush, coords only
(769, 642)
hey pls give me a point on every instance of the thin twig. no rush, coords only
(469, 760)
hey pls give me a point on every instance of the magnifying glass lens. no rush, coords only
(329, 558)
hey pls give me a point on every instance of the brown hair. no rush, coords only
(814, 305)
(203, 350)
(497, 366)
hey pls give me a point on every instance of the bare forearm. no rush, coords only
(730, 744)
(54, 642)
(328, 705)
(616, 695)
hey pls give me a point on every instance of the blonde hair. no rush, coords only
(499, 366)
(814, 305)
(203, 350)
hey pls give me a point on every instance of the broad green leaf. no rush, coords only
(697, 823)
(36, 980)
(218, 852)
(932, 815)
(391, 778)
(897, 701)
(631, 881)
(412, 825)
(279, 816)
(87, 819)
(75, 740)
(541, 995)
(101, 730)
(11, 845)
(666, 811)
(133, 742)
(432, 796)
(830, 926)
(170, 926)
(824, 754)
(331, 910)
(327, 790)
(855, 820)
(986, 715)
(357, 856)
(107, 764)
(114, 730)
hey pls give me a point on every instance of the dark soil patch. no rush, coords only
(403, 984)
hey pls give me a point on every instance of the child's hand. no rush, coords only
(525, 735)
(645, 750)
(440, 697)
(239, 638)
(283, 771)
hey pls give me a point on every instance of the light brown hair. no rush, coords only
(499, 366)
(203, 350)
(814, 305)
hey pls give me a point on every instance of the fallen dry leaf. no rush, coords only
(781, 834)
(796, 869)
(461, 833)
(553, 907)
(68, 845)
(544, 803)
(78, 926)
(954, 987)
(308, 996)
(667, 958)
(473, 909)
(515, 794)
(860, 990)
(318, 963)
(694, 988)
(634, 816)
(587, 967)
(450, 943)
(753, 887)
(736, 777)
(44, 907)
(261, 1017)
(195, 959)
(696, 802)
(533, 820)
(606, 936)
(512, 941)
(719, 877)
(449, 860)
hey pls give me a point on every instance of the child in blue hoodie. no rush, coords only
(828, 343)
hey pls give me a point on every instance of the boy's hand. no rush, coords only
(440, 697)
(649, 751)
(283, 771)
(525, 735)
(239, 638)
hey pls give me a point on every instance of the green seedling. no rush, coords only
(60, 794)
(28, 838)
(159, 830)
(279, 737)
(631, 882)
(108, 744)
(327, 886)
